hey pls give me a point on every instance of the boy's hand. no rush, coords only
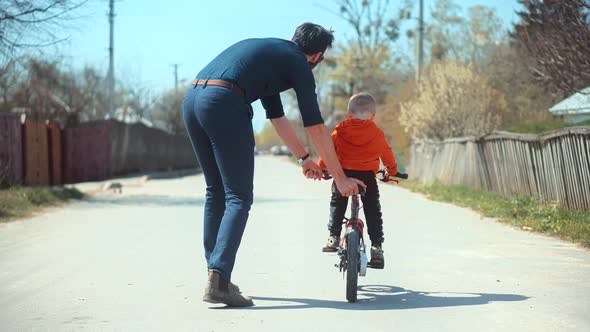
(311, 170)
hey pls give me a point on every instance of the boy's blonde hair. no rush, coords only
(362, 106)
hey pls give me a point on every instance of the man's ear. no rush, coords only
(315, 57)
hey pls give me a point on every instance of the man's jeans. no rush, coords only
(220, 129)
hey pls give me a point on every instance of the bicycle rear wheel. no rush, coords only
(352, 265)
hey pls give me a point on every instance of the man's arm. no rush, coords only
(276, 114)
(289, 137)
(287, 133)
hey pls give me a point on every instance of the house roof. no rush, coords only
(578, 103)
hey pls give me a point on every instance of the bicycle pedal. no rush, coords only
(328, 249)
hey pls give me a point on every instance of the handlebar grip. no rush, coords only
(402, 175)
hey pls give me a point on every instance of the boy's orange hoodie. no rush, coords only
(360, 144)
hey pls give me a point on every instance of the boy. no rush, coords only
(360, 144)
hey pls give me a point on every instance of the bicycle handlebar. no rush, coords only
(383, 178)
(328, 176)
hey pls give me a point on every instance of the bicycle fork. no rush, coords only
(342, 252)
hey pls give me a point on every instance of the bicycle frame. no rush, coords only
(354, 223)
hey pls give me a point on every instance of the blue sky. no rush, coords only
(152, 35)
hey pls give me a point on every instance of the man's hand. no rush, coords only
(311, 170)
(349, 186)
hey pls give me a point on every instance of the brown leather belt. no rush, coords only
(222, 83)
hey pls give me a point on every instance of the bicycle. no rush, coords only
(351, 248)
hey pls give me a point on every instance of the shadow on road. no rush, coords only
(390, 298)
(163, 200)
(146, 200)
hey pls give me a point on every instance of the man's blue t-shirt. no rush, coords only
(264, 68)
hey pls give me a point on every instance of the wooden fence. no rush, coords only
(40, 153)
(555, 167)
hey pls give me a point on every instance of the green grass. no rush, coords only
(524, 212)
(21, 202)
(540, 127)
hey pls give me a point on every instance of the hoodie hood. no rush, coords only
(359, 133)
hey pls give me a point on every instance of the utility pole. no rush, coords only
(111, 74)
(175, 77)
(420, 55)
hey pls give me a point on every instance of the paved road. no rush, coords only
(134, 262)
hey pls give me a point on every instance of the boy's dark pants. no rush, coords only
(371, 207)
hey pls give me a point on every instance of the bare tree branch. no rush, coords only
(557, 35)
(33, 24)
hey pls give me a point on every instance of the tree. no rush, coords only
(365, 62)
(353, 73)
(51, 92)
(38, 96)
(32, 23)
(556, 33)
(168, 110)
(450, 36)
(10, 76)
(507, 70)
(373, 26)
(454, 101)
(483, 32)
(442, 30)
(135, 102)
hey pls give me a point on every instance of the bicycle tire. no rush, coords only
(352, 265)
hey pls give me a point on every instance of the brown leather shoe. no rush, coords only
(234, 286)
(220, 291)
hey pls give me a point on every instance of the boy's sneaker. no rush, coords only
(332, 245)
(377, 260)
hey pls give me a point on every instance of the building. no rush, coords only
(575, 108)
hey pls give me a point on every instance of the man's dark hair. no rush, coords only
(312, 38)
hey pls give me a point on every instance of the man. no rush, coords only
(217, 115)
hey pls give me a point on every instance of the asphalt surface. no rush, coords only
(134, 262)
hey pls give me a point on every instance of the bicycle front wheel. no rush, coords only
(352, 265)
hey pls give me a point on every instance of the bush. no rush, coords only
(452, 101)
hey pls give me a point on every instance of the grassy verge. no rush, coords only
(540, 127)
(20, 202)
(524, 212)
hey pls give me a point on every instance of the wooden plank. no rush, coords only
(36, 153)
(55, 154)
(11, 149)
